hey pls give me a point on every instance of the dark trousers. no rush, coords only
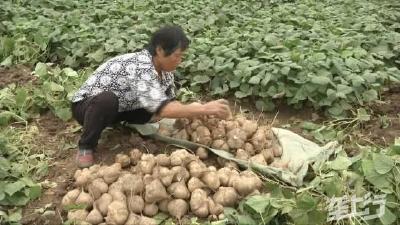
(97, 112)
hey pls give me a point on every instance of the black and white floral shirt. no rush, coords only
(133, 78)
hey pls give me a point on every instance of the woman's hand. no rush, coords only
(219, 108)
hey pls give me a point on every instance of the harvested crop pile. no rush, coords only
(242, 137)
(178, 184)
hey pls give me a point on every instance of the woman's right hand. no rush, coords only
(219, 108)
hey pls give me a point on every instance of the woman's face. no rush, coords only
(171, 62)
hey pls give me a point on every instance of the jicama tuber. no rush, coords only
(180, 173)
(77, 215)
(181, 157)
(118, 195)
(236, 138)
(202, 153)
(178, 208)
(164, 174)
(83, 177)
(248, 147)
(112, 173)
(103, 202)
(155, 191)
(247, 183)
(84, 199)
(150, 209)
(163, 205)
(220, 145)
(117, 213)
(259, 139)
(249, 127)
(94, 217)
(231, 124)
(123, 159)
(179, 190)
(147, 163)
(199, 203)
(214, 208)
(163, 160)
(226, 196)
(201, 135)
(163, 129)
(195, 183)
(70, 197)
(132, 184)
(97, 188)
(133, 219)
(197, 168)
(242, 154)
(135, 203)
(259, 158)
(268, 155)
(182, 134)
(218, 132)
(211, 179)
(144, 220)
(135, 155)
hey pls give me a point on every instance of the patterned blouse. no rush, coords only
(133, 78)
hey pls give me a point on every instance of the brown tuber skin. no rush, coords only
(236, 138)
(103, 202)
(220, 144)
(197, 168)
(259, 158)
(182, 134)
(179, 190)
(123, 159)
(135, 203)
(226, 196)
(132, 184)
(202, 153)
(94, 217)
(147, 163)
(84, 199)
(242, 154)
(195, 183)
(178, 208)
(163, 160)
(117, 213)
(150, 209)
(112, 173)
(70, 197)
(97, 188)
(77, 215)
(211, 179)
(199, 203)
(155, 191)
(202, 135)
(135, 155)
(268, 155)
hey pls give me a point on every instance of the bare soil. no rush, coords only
(19, 75)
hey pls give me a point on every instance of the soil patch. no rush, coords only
(17, 74)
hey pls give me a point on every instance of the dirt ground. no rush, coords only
(60, 141)
(18, 75)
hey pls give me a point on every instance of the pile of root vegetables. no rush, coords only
(242, 137)
(138, 186)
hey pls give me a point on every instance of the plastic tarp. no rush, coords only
(300, 153)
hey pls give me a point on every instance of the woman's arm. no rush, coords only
(176, 109)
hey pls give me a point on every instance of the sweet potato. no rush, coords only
(178, 208)
(135, 203)
(179, 190)
(236, 138)
(155, 192)
(226, 196)
(199, 203)
(123, 159)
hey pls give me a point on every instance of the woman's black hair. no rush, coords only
(169, 38)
